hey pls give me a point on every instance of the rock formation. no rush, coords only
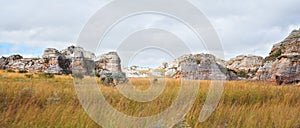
(264, 72)
(109, 62)
(17, 62)
(63, 62)
(283, 63)
(245, 66)
(81, 60)
(198, 67)
(137, 72)
(55, 62)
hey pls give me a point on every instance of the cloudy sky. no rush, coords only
(244, 26)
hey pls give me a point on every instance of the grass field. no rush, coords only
(42, 102)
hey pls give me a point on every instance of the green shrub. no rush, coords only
(95, 75)
(10, 70)
(22, 71)
(274, 56)
(242, 74)
(28, 75)
(198, 61)
(278, 53)
(46, 75)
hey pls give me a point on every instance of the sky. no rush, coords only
(244, 26)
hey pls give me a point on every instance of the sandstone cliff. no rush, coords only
(198, 67)
(65, 61)
(109, 62)
(245, 66)
(283, 63)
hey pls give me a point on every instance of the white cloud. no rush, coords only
(244, 26)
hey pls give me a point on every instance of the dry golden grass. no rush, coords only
(40, 102)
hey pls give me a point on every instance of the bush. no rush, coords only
(11, 71)
(46, 75)
(22, 71)
(198, 61)
(242, 74)
(95, 75)
(274, 56)
(28, 75)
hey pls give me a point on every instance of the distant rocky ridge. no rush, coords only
(198, 67)
(64, 62)
(282, 65)
(202, 65)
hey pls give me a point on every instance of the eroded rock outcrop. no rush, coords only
(109, 62)
(17, 62)
(198, 67)
(81, 60)
(286, 69)
(283, 63)
(64, 62)
(264, 72)
(55, 62)
(245, 65)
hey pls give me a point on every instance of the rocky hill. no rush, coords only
(198, 67)
(63, 62)
(282, 65)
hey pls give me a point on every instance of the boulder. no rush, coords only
(109, 62)
(246, 65)
(3, 63)
(33, 64)
(139, 72)
(198, 67)
(264, 72)
(81, 60)
(77, 52)
(15, 57)
(51, 53)
(56, 63)
(286, 69)
(12, 62)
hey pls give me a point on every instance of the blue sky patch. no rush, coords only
(7, 49)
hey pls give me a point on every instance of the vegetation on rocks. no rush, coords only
(22, 71)
(46, 75)
(273, 57)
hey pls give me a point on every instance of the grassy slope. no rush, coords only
(26, 102)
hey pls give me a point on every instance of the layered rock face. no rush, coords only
(7, 62)
(245, 65)
(81, 60)
(55, 62)
(109, 62)
(137, 72)
(71, 59)
(17, 62)
(283, 63)
(286, 69)
(198, 67)
(264, 72)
